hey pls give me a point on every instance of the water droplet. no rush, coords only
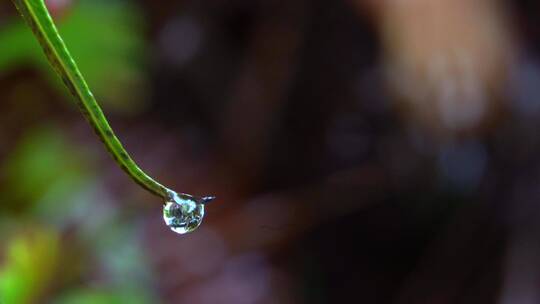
(183, 213)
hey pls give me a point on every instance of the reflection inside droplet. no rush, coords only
(183, 213)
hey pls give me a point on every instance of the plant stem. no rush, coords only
(37, 16)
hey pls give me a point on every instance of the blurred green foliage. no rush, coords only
(59, 228)
(29, 268)
(44, 165)
(103, 296)
(104, 37)
(53, 190)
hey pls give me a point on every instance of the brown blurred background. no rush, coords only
(368, 151)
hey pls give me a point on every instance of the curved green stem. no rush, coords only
(37, 16)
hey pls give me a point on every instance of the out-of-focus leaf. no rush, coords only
(18, 46)
(104, 297)
(104, 37)
(44, 165)
(29, 267)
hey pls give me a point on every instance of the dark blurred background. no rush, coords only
(361, 151)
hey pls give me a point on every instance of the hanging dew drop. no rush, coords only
(184, 213)
(184, 217)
